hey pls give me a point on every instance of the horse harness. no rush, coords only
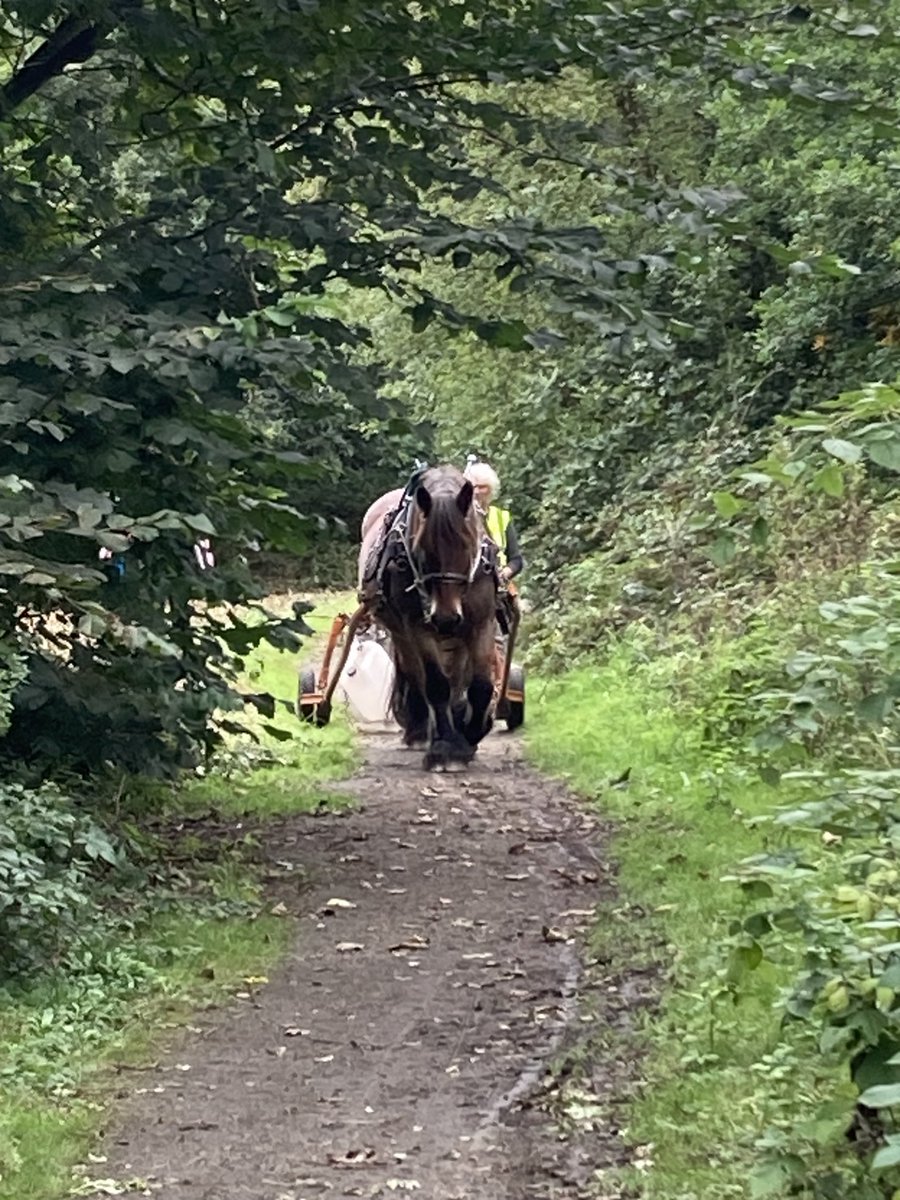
(395, 548)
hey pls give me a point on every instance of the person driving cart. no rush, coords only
(497, 521)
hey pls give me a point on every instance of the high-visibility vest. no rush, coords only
(496, 523)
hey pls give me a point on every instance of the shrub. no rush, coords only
(51, 858)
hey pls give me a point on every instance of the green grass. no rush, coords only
(124, 994)
(715, 1074)
(62, 1035)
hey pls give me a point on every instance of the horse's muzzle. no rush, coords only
(448, 623)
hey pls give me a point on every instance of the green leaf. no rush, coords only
(727, 505)
(883, 1095)
(122, 361)
(200, 522)
(830, 480)
(848, 452)
(723, 550)
(889, 1155)
(92, 625)
(280, 735)
(768, 1179)
(885, 452)
(759, 532)
(875, 708)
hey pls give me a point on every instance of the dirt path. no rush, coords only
(404, 1045)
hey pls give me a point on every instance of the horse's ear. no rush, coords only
(464, 499)
(423, 499)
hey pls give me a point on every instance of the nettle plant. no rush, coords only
(830, 881)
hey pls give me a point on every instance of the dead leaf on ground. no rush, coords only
(549, 934)
(416, 942)
(349, 947)
(518, 848)
(353, 1158)
(296, 1031)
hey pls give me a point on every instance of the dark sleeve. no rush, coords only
(514, 560)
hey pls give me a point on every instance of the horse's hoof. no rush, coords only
(439, 754)
(449, 754)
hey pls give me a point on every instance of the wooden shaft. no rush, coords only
(338, 625)
(351, 629)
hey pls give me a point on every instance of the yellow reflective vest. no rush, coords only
(496, 523)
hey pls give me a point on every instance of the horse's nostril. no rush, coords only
(448, 623)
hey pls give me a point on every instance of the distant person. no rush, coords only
(497, 521)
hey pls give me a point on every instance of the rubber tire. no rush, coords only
(514, 714)
(311, 714)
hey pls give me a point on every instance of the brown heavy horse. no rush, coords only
(435, 592)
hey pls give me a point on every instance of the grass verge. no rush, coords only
(124, 990)
(716, 1074)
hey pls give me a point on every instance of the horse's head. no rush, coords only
(447, 545)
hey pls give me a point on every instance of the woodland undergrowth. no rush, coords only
(738, 678)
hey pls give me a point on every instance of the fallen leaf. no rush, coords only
(348, 947)
(295, 1031)
(254, 980)
(403, 1185)
(416, 942)
(279, 910)
(337, 902)
(518, 848)
(553, 935)
(353, 1158)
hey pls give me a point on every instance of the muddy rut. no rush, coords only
(410, 1042)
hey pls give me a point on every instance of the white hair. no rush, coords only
(482, 472)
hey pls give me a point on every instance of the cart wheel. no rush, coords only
(514, 710)
(312, 712)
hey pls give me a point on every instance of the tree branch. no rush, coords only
(74, 40)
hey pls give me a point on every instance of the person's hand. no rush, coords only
(505, 576)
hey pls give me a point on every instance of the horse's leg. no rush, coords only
(410, 709)
(481, 687)
(447, 744)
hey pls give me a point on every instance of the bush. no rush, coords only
(51, 858)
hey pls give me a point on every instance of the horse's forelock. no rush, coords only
(446, 523)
